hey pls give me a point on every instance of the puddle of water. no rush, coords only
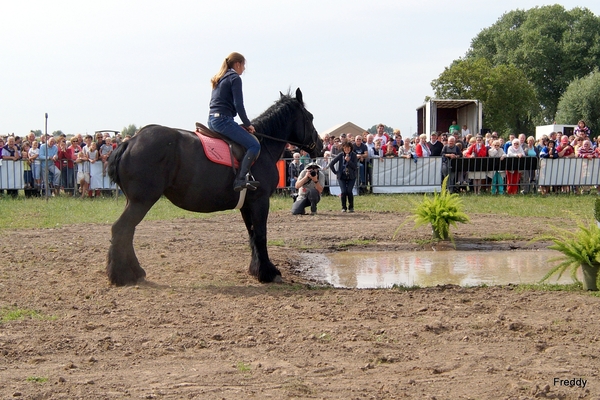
(425, 268)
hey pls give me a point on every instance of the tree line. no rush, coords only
(532, 67)
(126, 131)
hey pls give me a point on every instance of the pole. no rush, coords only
(46, 157)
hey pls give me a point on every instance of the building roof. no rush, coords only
(347, 127)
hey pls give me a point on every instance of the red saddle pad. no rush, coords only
(217, 150)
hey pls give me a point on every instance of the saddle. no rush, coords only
(218, 148)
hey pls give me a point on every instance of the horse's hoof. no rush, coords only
(278, 279)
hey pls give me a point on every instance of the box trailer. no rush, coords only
(437, 115)
(548, 129)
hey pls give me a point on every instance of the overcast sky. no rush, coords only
(107, 64)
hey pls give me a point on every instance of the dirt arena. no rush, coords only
(200, 327)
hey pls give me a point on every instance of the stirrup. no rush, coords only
(251, 185)
(240, 184)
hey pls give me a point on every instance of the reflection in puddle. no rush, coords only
(424, 268)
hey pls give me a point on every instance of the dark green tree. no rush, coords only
(56, 133)
(581, 100)
(129, 130)
(508, 98)
(387, 129)
(551, 45)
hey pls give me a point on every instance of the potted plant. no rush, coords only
(579, 249)
(441, 211)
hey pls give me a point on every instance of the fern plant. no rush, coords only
(579, 248)
(441, 211)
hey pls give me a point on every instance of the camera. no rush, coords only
(313, 173)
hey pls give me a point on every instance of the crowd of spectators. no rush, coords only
(68, 159)
(458, 142)
(65, 159)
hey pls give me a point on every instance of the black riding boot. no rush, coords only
(242, 181)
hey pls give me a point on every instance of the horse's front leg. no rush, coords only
(261, 266)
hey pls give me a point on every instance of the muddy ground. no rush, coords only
(200, 327)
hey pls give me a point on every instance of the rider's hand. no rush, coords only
(251, 129)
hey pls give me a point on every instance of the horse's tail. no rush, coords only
(114, 160)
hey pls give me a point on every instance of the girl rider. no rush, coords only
(226, 102)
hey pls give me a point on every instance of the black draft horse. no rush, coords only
(163, 161)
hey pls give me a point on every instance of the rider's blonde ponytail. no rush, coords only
(227, 64)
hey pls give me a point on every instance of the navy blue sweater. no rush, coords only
(227, 97)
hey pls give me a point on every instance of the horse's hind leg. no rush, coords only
(123, 267)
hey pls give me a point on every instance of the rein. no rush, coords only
(311, 146)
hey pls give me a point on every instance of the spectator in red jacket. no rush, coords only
(422, 148)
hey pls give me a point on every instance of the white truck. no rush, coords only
(548, 129)
(438, 114)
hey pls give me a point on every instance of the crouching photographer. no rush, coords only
(310, 186)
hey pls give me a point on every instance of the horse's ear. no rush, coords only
(299, 96)
(281, 96)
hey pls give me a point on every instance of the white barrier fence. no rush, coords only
(12, 176)
(404, 175)
(569, 171)
(389, 175)
(401, 175)
(98, 180)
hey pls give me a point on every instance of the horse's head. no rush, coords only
(288, 121)
(307, 138)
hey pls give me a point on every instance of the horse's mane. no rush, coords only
(275, 118)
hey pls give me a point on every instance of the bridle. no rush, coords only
(302, 146)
